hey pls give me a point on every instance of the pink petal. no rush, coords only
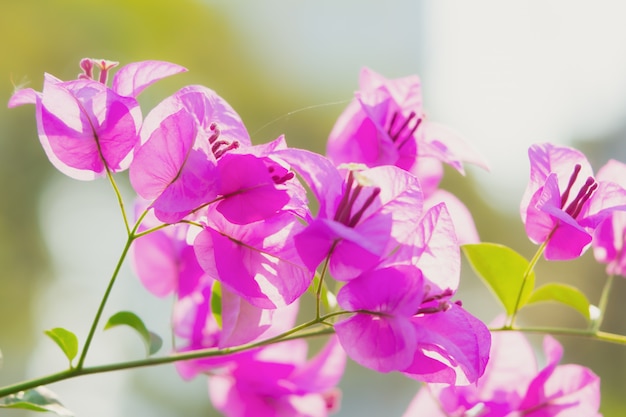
(323, 371)
(131, 79)
(319, 174)
(23, 96)
(463, 221)
(456, 339)
(383, 344)
(250, 194)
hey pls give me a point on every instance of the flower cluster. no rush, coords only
(513, 386)
(225, 228)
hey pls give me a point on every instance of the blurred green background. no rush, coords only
(288, 67)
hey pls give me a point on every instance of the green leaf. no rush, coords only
(502, 269)
(66, 340)
(38, 399)
(564, 294)
(216, 302)
(152, 341)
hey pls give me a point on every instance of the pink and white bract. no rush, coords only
(87, 128)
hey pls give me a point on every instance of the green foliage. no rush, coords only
(126, 318)
(66, 340)
(564, 294)
(38, 399)
(502, 269)
(216, 302)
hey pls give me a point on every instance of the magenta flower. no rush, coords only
(512, 386)
(195, 150)
(279, 382)
(195, 324)
(610, 235)
(257, 261)
(385, 125)
(163, 260)
(175, 165)
(563, 203)
(361, 219)
(87, 128)
(397, 326)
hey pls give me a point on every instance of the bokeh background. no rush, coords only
(505, 74)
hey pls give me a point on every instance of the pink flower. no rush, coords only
(163, 259)
(512, 386)
(257, 261)
(175, 165)
(361, 219)
(397, 326)
(87, 128)
(610, 235)
(385, 125)
(563, 203)
(194, 322)
(195, 150)
(278, 381)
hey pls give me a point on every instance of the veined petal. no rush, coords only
(249, 192)
(67, 133)
(133, 78)
(456, 339)
(462, 219)
(381, 343)
(568, 240)
(257, 261)
(433, 248)
(319, 174)
(537, 220)
(396, 290)
(546, 159)
(354, 138)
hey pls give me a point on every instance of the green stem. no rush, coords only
(297, 332)
(318, 291)
(120, 200)
(527, 272)
(604, 299)
(103, 302)
(601, 336)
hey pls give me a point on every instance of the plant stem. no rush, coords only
(527, 272)
(120, 200)
(604, 299)
(103, 302)
(297, 332)
(601, 336)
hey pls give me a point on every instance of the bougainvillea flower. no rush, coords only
(87, 128)
(195, 150)
(563, 203)
(175, 165)
(610, 237)
(258, 261)
(398, 327)
(432, 247)
(512, 386)
(280, 382)
(163, 260)
(195, 323)
(361, 218)
(385, 125)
